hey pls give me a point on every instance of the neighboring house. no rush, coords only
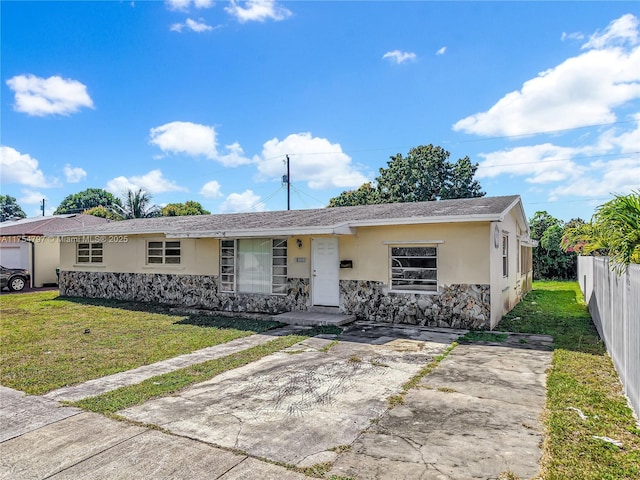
(457, 263)
(23, 244)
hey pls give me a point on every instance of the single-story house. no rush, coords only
(23, 243)
(457, 263)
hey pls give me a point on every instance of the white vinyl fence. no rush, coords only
(614, 304)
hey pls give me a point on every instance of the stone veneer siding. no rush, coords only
(455, 306)
(195, 291)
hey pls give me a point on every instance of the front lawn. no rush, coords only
(582, 382)
(47, 342)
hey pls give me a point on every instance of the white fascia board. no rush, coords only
(427, 220)
(271, 232)
(93, 233)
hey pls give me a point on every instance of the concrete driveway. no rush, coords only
(319, 402)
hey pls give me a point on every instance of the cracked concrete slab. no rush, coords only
(475, 416)
(20, 413)
(61, 445)
(296, 405)
(154, 455)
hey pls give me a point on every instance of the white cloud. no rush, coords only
(257, 10)
(581, 91)
(314, 160)
(603, 178)
(211, 189)
(184, 5)
(152, 182)
(48, 96)
(539, 163)
(23, 169)
(620, 31)
(400, 57)
(74, 174)
(31, 197)
(441, 51)
(572, 36)
(194, 139)
(242, 202)
(626, 141)
(193, 25)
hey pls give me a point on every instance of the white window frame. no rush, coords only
(92, 252)
(505, 255)
(278, 261)
(163, 252)
(431, 284)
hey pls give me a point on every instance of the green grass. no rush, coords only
(556, 308)
(43, 344)
(582, 376)
(413, 382)
(482, 336)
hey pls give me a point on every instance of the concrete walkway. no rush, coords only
(102, 385)
(475, 416)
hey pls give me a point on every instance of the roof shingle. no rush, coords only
(471, 209)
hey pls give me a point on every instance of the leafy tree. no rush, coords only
(424, 174)
(104, 212)
(550, 261)
(614, 230)
(89, 198)
(190, 207)
(366, 194)
(9, 208)
(138, 205)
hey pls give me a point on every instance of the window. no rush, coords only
(279, 266)
(525, 259)
(163, 252)
(227, 265)
(414, 269)
(505, 255)
(89, 253)
(254, 265)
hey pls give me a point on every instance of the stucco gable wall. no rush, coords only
(506, 291)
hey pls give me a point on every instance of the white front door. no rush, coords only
(325, 262)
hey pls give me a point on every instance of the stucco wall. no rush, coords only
(47, 255)
(507, 291)
(128, 253)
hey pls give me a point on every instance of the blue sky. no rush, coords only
(202, 100)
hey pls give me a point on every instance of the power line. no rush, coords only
(454, 142)
(561, 159)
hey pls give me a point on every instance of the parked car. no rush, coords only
(15, 279)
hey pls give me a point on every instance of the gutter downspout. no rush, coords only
(33, 260)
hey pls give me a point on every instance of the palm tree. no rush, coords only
(620, 223)
(138, 205)
(614, 230)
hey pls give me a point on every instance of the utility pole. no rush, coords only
(288, 185)
(42, 207)
(287, 179)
